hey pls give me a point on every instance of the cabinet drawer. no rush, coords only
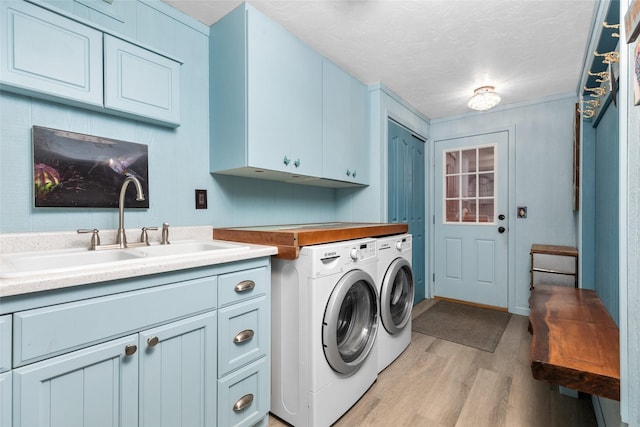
(239, 286)
(243, 397)
(5, 343)
(243, 334)
(49, 331)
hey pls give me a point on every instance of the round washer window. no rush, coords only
(350, 322)
(396, 299)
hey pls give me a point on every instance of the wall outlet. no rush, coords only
(201, 199)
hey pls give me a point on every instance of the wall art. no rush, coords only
(77, 170)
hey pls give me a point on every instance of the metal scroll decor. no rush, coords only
(76, 170)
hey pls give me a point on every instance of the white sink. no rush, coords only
(73, 260)
(38, 262)
(189, 248)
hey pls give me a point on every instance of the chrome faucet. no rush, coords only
(121, 238)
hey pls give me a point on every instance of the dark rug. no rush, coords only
(464, 324)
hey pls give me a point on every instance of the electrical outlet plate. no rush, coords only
(201, 199)
(522, 211)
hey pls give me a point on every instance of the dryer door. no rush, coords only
(396, 296)
(350, 322)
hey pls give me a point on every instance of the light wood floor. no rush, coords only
(440, 383)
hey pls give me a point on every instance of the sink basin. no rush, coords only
(72, 260)
(21, 264)
(189, 247)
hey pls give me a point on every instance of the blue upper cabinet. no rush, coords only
(266, 99)
(50, 55)
(138, 81)
(344, 126)
(59, 58)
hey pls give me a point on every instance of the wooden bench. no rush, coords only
(576, 343)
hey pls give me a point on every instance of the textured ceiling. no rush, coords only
(433, 53)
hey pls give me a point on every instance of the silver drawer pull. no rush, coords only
(243, 336)
(244, 286)
(243, 402)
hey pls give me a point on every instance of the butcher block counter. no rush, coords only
(290, 238)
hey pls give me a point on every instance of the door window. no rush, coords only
(469, 181)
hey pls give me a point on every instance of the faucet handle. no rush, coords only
(95, 237)
(144, 237)
(165, 234)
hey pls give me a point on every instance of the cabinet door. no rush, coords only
(284, 113)
(96, 386)
(5, 343)
(344, 103)
(140, 82)
(5, 399)
(49, 56)
(178, 373)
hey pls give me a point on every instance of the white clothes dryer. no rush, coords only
(396, 289)
(324, 322)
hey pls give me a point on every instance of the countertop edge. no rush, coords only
(40, 283)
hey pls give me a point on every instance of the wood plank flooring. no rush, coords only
(440, 383)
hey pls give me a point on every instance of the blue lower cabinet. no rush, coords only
(178, 373)
(243, 396)
(5, 399)
(96, 386)
(146, 357)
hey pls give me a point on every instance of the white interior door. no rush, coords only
(471, 221)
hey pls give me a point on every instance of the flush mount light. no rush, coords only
(484, 98)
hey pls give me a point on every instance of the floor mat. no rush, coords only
(464, 324)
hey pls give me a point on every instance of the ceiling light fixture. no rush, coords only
(484, 98)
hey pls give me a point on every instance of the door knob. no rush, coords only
(501, 217)
(501, 230)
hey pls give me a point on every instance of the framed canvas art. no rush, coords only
(77, 170)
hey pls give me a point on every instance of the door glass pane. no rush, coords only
(486, 213)
(452, 186)
(486, 185)
(485, 156)
(469, 161)
(469, 210)
(453, 210)
(470, 185)
(452, 162)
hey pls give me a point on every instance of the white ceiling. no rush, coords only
(433, 53)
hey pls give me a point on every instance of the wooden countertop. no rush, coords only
(290, 238)
(575, 342)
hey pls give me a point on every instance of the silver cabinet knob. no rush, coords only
(130, 349)
(286, 161)
(153, 341)
(243, 402)
(243, 336)
(296, 163)
(245, 286)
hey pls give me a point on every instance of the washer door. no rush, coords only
(350, 322)
(396, 296)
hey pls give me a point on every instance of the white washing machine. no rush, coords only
(324, 323)
(396, 289)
